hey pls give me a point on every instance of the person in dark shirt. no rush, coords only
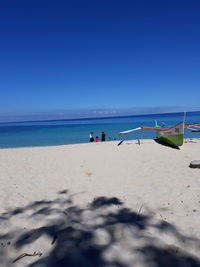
(103, 137)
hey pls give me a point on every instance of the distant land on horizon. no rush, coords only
(99, 117)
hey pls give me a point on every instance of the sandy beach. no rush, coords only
(100, 204)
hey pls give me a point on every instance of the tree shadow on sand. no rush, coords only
(105, 233)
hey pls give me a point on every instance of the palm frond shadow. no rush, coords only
(90, 236)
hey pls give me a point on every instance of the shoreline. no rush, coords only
(117, 141)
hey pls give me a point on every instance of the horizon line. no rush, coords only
(93, 118)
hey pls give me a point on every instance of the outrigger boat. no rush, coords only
(173, 135)
(195, 129)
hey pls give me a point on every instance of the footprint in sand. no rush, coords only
(88, 174)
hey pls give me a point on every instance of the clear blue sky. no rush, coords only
(109, 54)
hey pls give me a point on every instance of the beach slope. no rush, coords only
(100, 204)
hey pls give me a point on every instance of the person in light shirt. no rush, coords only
(91, 137)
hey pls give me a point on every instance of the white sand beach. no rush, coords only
(100, 204)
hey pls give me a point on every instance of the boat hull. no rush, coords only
(175, 140)
(173, 135)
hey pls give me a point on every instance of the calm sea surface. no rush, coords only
(59, 132)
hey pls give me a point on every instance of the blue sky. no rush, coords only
(92, 56)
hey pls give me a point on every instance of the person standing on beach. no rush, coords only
(103, 137)
(91, 137)
(97, 139)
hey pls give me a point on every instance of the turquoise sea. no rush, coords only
(74, 131)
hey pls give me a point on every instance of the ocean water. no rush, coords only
(59, 132)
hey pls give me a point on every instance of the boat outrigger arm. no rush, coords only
(196, 125)
(173, 135)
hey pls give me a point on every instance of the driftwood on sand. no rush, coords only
(27, 254)
(195, 164)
